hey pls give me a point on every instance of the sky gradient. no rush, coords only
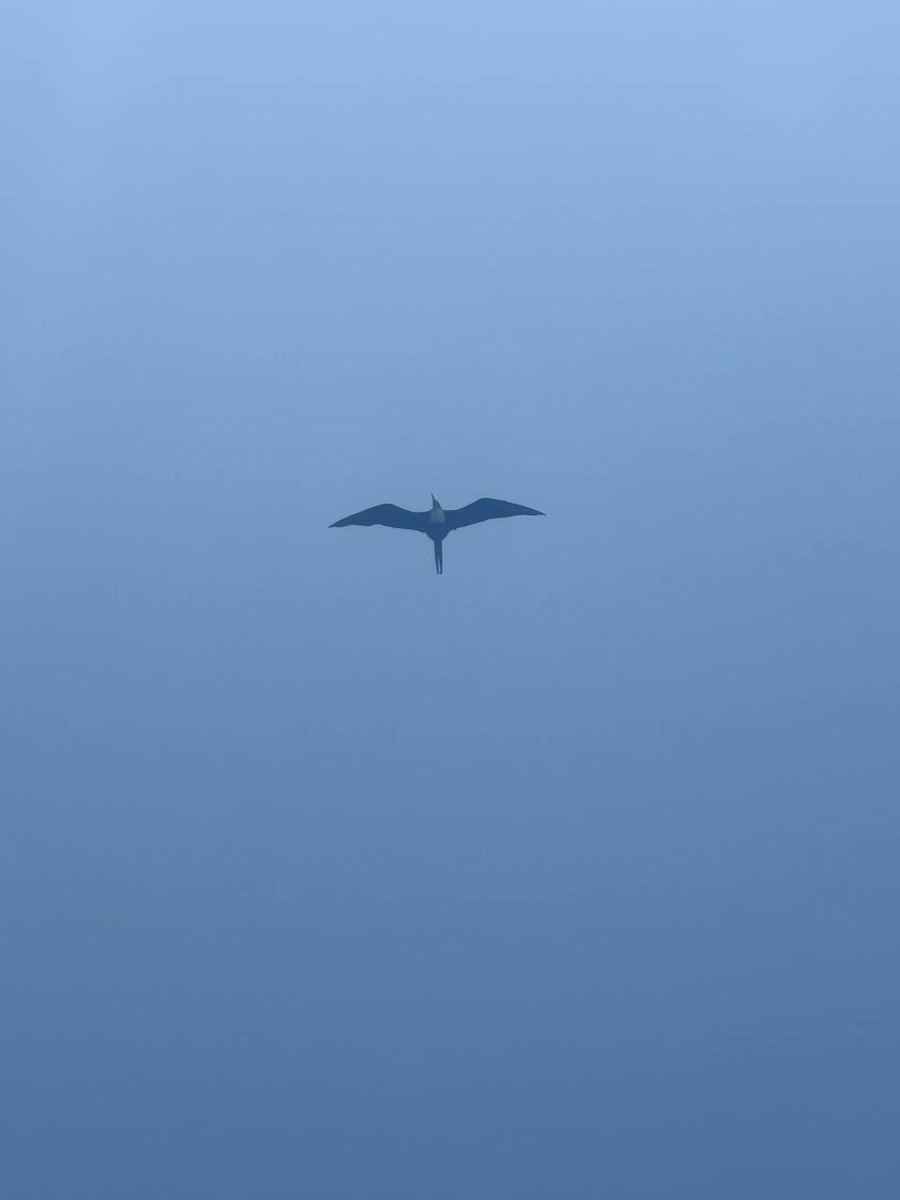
(572, 872)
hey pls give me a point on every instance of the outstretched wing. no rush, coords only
(386, 514)
(485, 510)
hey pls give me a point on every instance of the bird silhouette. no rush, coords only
(437, 522)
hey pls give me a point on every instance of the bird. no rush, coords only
(437, 522)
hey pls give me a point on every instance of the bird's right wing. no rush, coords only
(386, 514)
(487, 509)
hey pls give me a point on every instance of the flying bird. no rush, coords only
(437, 522)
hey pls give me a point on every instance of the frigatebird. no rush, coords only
(437, 522)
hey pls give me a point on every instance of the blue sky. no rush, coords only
(571, 872)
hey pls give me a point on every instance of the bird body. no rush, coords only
(438, 516)
(437, 522)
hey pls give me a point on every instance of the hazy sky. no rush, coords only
(573, 872)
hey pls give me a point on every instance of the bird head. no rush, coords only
(435, 505)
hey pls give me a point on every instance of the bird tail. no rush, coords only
(438, 556)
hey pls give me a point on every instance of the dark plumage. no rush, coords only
(437, 522)
(385, 514)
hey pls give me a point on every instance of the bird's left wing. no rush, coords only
(386, 514)
(485, 510)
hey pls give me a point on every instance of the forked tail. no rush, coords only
(438, 556)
